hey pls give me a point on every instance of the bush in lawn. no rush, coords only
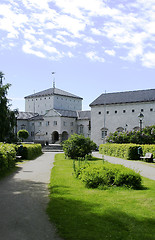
(109, 175)
(30, 151)
(78, 146)
(7, 157)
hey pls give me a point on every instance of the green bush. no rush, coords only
(23, 134)
(78, 146)
(110, 175)
(146, 136)
(7, 157)
(30, 151)
(126, 151)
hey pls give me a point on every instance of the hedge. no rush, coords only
(126, 151)
(110, 175)
(7, 156)
(29, 151)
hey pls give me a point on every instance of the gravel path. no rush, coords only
(146, 169)
(23, 202)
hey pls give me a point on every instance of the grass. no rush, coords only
(92, 214)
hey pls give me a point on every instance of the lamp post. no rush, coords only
(141, 117)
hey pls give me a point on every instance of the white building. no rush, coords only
(119, 112)
(53, 115)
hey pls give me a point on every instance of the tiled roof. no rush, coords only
(84, 115)
(125, 97)
(26, 115)
(52, 91)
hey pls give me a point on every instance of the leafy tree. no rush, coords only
(23, 134)
(78, 146)
(7, 117)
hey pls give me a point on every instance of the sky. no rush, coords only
(93, 46)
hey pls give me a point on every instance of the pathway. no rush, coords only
(146, 169)
(23, 202)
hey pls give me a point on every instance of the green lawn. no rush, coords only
(92, 214)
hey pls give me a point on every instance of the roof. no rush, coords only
(125, 97)
(67, 113)
(26, 115)
(52, 91)
(84, 115)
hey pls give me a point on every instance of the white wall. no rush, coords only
(120, 119)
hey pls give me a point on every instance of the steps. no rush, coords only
(52, 148)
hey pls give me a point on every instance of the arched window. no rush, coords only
(120, 129)
(104, 132)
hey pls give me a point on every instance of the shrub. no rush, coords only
(78, 146)
(30, 151)
(110, 175)
(23, 134)
(146, 136)
(7, 157)
(126, 151)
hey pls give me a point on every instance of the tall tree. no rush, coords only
(7, 117)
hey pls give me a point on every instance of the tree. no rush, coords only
(23, 134)
(7, 117)
(78, 146)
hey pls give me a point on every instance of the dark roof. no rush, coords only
(26, 115)
(84, 115)
(67, 113)
(52, 91)
(125, 97)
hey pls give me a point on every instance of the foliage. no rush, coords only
(30, 151)
(7, 117)
(78, 146)
(82, 213)
(126, 151)
(23, 134)
(146, 136)
(7, 157)
(110, 175)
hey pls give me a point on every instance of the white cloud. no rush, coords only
(93, 57)
(52, 26)
(148, 60)
(110, 52)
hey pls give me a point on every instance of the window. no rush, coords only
(64, 123)
(46, 133)
(104, 133)
(32, 134)
(81, 129)
(47, 123)
(23, 126)
(107, 112)
(99, 113)
(142, 110)
(124, 111)
(71, 131)
(71, 123)
(151, 109)
(115, 111)
(40, 123)
(133, 110)
(55, 123)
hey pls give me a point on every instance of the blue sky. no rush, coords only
(93, 46)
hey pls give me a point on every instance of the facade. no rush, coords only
(52, 115)
(119, 112)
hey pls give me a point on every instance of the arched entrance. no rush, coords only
(55, 137)
(64, 136)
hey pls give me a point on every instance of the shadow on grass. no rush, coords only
(80, 220)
